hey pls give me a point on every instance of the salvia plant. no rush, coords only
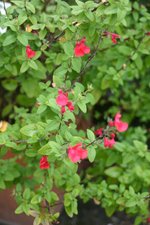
(69, 72)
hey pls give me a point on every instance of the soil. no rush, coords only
(91, 214)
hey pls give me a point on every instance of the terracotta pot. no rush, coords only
(8, 204)
(7, 209)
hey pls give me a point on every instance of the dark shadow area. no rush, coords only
(91, 214)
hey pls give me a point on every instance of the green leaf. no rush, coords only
(138, 220)
(19, 209)
(131, 203)
(8, 176)
(41, 109)
(82, 106)
(22, 38)
(110, 210)
(45, 150)
(10, 84)
(53, 125)
(79, 3)
(31, 87)
(24, 67)
(36, 199)
(76, 64)
(22, 19)
(26, 208)
(27, 194)
(125, 50)
(91, 154)
(9, 40)
(113, 171)
(60, 71)
(37, 220)
(6, 110)
(89, 15)
(50, 148)
(30, 153)
(90, 135)
(2, 184)
(29, 130)
(33, 64)
(51, 197)
(68, 48)
(30, 7)
(18, 3)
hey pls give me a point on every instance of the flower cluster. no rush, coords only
(113, 36)
(120, 125)
(76, 153)
(109, 137)
(63, 101)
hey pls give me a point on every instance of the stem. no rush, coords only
(92, 56)
(99, 138)
(5, 8)
(25, 6)
(60, 123)
(48, 206)
(131, 55)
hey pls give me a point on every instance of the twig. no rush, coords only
(92, 142)
(91, 56)
(48, 206)
(5, 8)
(133, 53)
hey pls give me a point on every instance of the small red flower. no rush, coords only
(44, 164)
(148, 33)
(111, 123)
(99, 132)
(70, 106)
(62, 99)
(108, 143)
(120, 125)
(148, 220)
(63, 109)
(113, 36)
(76, 153)
(112, 135)
(29, 52)
(81, 49)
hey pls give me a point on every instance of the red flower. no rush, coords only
(111, 123)
(148, 220)
(120, 125)
(99, 132)
(44, 164)
(112, 135)
(62, 99)
(108, 143)
(148, 33)
(76, 153)
(81, 49)
(113, 36)
(63, 109)
(70, 106)
(29, 52)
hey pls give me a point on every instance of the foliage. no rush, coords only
(38, 67)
